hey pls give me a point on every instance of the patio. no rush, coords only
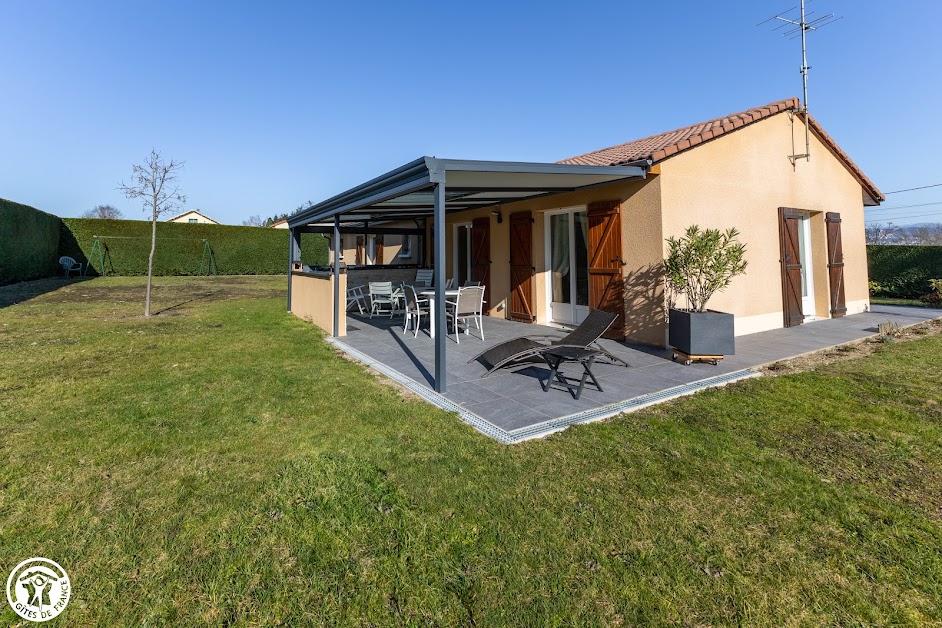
(512, 407)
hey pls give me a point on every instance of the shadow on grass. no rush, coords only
(25, 290)
(174, 307)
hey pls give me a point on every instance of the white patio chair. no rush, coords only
(69, 265)
(415, 308)
(381, 298)
(424, 277)
(450, 283)
(356, 297)
(468, 305)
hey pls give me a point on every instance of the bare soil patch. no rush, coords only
(850, 350)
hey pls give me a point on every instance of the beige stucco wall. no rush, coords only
(740, 180)
(200, 219)
(312, 299)
(640, 238)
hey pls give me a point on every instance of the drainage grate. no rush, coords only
(545, 428)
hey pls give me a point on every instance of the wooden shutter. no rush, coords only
(835, 264)
(379, 259)
(606, 283)
(789, 224)
(481, 254)
(360, 258)
(521, 267)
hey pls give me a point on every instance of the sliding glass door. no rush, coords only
(567, 260)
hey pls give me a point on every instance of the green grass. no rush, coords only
(905, 302)
(219, 464)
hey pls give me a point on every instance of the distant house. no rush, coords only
(281, 224)
(193, 216)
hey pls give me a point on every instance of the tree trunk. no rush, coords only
(150, 261)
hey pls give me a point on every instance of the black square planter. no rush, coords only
(702, 333)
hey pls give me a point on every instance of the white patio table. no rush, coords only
(430, 295)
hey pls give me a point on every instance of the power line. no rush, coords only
(878, 209)
(907, 217)
(923, 187)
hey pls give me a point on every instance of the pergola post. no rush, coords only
(439, 261)
(294, 253)
(338, 247)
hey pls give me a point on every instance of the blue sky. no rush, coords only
(273, 104)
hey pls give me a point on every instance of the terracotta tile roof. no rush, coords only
(664, 145)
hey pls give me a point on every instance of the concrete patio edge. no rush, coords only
(545, 428)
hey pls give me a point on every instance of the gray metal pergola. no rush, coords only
(432, 187)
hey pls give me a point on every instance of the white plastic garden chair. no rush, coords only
(382, 299)
(69, 265)
(356, 297)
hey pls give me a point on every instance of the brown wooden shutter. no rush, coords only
(521, 267)
(360, 258)
(789, 224)
(606, 283)
(481, 254)
(835, 264)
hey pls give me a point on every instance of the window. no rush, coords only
(406, 249)
(192, 219)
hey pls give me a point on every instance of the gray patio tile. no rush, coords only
(516, 399)
(465, 393)
(507, 413)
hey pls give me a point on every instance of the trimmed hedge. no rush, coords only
(237, 250)
(29, 243)
(904, 271)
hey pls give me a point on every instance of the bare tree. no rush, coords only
(254, 221)
(879, 233)
(104, 211)
(927, 235)
(154, 182)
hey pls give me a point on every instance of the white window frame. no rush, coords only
(454, 242)
(406, 249)
(807, 267)
(577, 313)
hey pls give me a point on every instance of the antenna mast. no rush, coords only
(800, 29)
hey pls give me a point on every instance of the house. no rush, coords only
(280, 224)
(552, 241)
(192, 216)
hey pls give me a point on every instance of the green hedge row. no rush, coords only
(29, 243)
(904, 271)
(237, 250)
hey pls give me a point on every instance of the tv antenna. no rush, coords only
(800, 28)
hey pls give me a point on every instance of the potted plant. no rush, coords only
(698, 265)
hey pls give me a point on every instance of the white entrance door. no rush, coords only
(461, 269)
(807, 274)
(567, 262)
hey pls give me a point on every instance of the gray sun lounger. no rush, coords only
(527, 350)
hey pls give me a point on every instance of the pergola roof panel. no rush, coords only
(407, 190)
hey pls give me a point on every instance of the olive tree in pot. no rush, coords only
(698, 265)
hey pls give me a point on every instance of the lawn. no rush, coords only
(220, 464)
(903, 302)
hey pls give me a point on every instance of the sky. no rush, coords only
(273, 104)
